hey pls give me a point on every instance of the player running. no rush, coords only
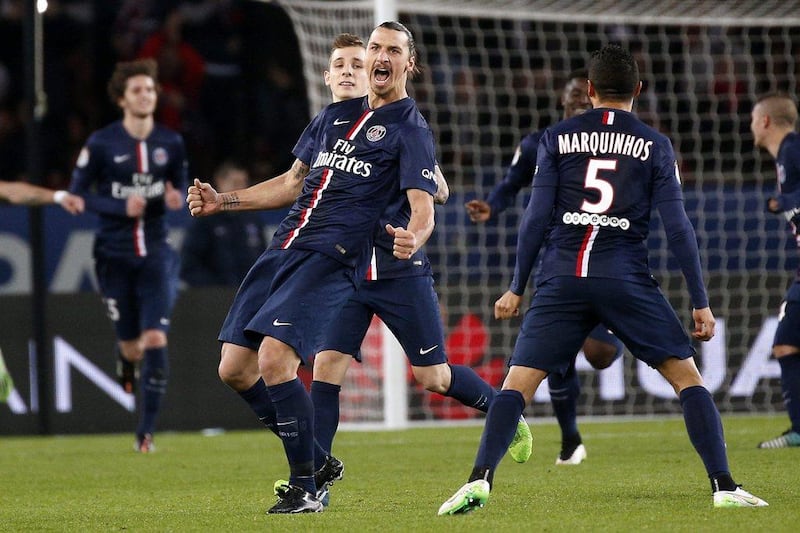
(129, 173)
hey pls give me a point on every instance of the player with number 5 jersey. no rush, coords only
(598, 176)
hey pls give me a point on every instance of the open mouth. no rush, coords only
(381, 75)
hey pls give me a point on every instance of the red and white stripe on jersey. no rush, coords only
(306, 214)
(608, 118)
(582, 264)
(142, 165)
(327, 174)
(358, 125)
(372, 271)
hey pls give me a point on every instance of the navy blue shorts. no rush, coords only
(788, 332)
(139, 292)
(289, 295)
(565, 309)
(410, 309)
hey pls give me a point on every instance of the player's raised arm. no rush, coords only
(280, 191)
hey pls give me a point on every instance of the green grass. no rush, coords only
(639, 476)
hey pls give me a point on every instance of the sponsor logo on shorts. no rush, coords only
(277, 323)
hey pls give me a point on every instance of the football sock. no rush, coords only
(155, 371)
(705, 429)
(482, 472)
(325, 397)
(498, 432)
(722, 482)
(564, 392)
(468, 388)
(260, 403)
(295, 422)
(790, 384)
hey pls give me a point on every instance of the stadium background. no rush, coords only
(491, 73)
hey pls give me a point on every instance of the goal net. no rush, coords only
(492, 72)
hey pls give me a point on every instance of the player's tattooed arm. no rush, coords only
(229, 201)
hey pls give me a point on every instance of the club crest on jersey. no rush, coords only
(160, 157)
(376, 133)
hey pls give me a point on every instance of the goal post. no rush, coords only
(492, 72)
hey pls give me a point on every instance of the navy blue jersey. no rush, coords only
(598, 176)
(382, 263)
(787, 164)
(113, 166)
(518, 175)
(360, 160)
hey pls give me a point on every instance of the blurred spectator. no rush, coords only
(220, 250)
(181, 73)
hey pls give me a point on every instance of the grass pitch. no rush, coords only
(639, 476)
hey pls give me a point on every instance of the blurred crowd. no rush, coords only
(230, 74)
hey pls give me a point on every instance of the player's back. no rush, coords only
(610, 169)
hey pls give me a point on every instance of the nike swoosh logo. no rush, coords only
(432, 348)
(338, 122)
(121, 158)
(277, 323)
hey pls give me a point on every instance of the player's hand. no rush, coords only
(73, 204)
(135, 205)
(773, 205)
(704, 323)
(478, 210)
(172, 198)
(405, 242)
(507, 306)
(202, 199)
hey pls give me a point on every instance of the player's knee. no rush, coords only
(331, 366)
(782, 350)
(132, 351)
(434, 378)
(277, 361)
(153, 338)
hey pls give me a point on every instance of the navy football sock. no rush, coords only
(498, 432)
(790, 385)
(153, 381)
(564, 392)
(705, 429)
(295, 422)
(468, 388)
(260, 403)
(325, 397)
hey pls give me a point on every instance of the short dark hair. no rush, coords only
(346, 40)
(613, 73)
(412, 45)
(128, 69)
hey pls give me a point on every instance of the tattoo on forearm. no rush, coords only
(229, 201)
(301, 172)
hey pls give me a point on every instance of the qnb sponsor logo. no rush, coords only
(594, 219)
(427, 174)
